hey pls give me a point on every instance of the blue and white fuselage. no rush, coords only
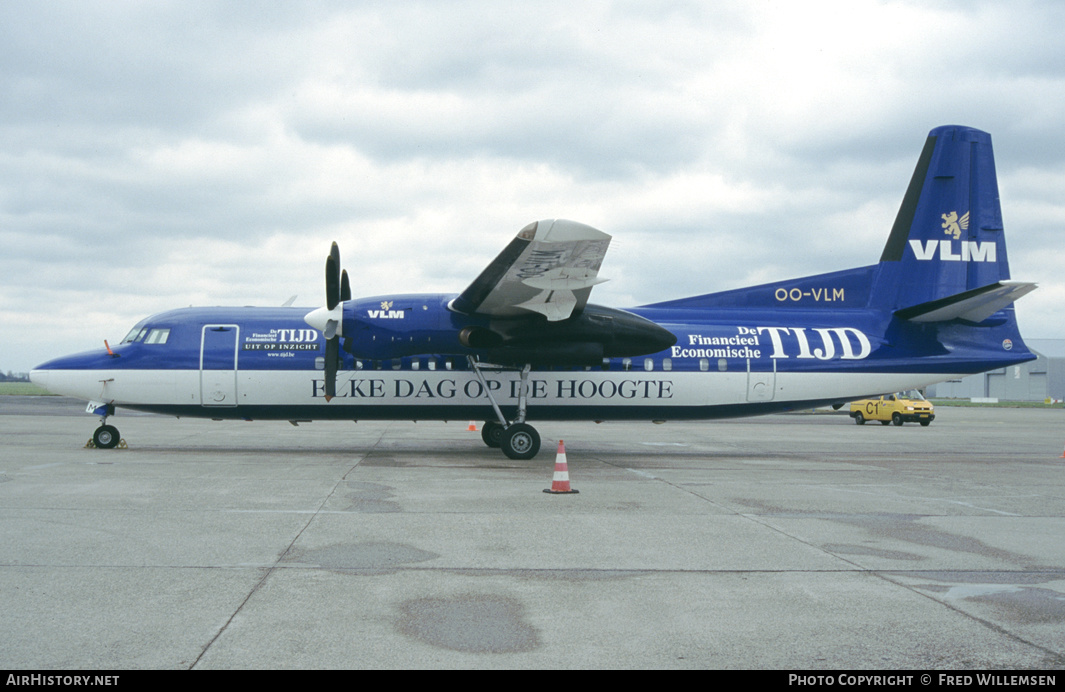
(266, 364)
(523, 338)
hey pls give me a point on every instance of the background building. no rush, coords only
(1036, 380)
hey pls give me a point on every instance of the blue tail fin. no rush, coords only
(946, 255)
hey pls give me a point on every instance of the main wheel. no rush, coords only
(520, 441)
(896, 419)
(859, 418)
(492, 433)
(105, 437)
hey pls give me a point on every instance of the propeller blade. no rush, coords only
(332, 351)
(328, 319)
(345, 287)
(332, 282)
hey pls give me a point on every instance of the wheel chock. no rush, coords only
(121, 444)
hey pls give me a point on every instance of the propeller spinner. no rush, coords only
(330, 319)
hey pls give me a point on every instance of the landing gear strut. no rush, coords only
(516, 438)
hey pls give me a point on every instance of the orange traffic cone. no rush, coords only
(472, 427)
(1063, 455)
(560, 483)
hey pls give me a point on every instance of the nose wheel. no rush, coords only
(106, 437)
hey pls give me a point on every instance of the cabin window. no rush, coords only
(415, 363)
(667, 363)
(704, 364)
(157, 336)
(626, 364)
(722, 364)
(648, 364)
(432, 364)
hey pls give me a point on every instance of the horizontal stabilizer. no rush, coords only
(973, 306)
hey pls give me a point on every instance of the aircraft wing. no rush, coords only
(549, 268)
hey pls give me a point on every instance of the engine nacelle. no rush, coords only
(614, 333)
(387, 327)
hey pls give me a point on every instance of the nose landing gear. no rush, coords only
(106, 436)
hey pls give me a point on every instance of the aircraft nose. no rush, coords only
(39, 377)
(76, 375)
(49, 376)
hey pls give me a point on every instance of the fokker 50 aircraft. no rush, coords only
(522, 341)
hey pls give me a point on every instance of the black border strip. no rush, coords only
(901, 230)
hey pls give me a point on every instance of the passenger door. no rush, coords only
(218, 365)
(761, 385)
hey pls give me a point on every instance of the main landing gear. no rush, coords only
(516, 438)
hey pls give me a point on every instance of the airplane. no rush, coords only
(522, 340)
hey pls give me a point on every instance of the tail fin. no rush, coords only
(946, 255)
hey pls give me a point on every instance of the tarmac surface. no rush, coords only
(784, 542)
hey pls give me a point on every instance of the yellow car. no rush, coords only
(898, 408)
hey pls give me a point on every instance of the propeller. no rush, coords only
(330, 319)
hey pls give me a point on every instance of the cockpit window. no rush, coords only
(136, 334)
(141, 333)
(157, 336)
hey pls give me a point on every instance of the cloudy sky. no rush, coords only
(163, 154)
